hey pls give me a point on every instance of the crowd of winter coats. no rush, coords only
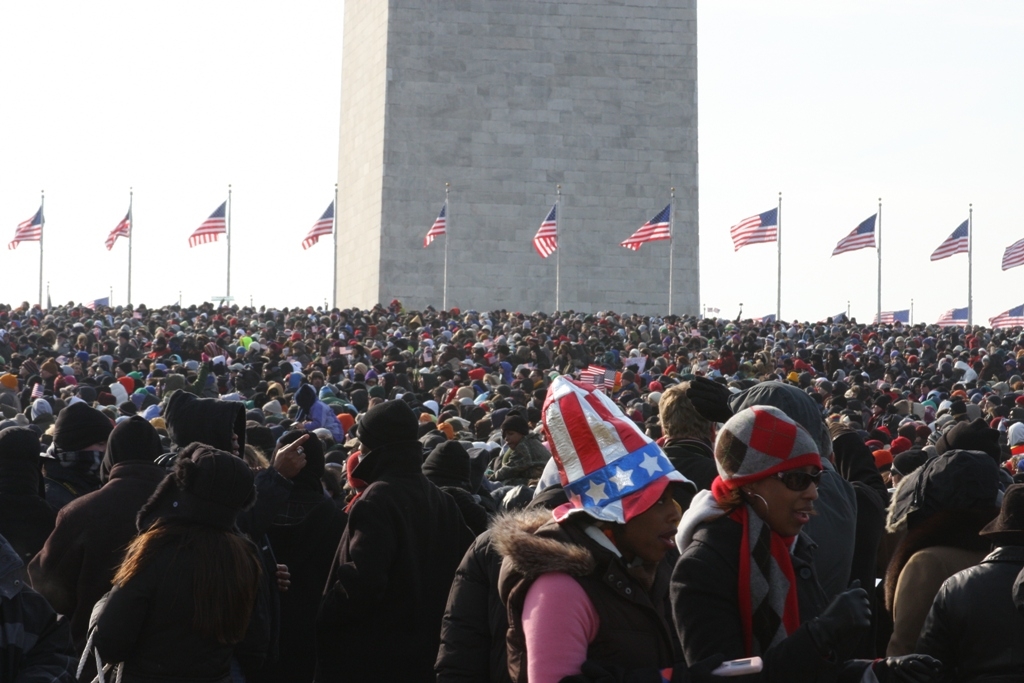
(389, 568)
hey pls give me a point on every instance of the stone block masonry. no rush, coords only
(504, 99)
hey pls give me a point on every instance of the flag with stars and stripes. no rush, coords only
(546, 239)
(658, 228)
(440, 226)
(1014, 255)
(324, 227)
(29, 231)
(891, 317)
(1010, 318)
(213, 226)
(954, 316)
(123, 229)
(956, 243)
(764, 227)
(862, 237)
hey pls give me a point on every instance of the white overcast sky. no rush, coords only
(833, 104)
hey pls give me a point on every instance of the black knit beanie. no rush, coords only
(386, 423)
(78, 426)
(515, 423)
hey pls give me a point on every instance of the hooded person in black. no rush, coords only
(25, 518)
(75, 567)
(380, 617)
(79, 443)
(448, 467)
(304, 536)
(216, 423)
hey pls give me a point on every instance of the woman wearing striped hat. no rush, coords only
(746, 583)
(586, 586)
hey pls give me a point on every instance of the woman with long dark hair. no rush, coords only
(183, 598)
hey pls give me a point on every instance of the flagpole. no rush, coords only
(558, 248)
(671, 243)
(334, 294)
(131, 231)
(227, 294)
(970, 265)
(778, 286)
(448, 223)
(42, 234)
(878, 234)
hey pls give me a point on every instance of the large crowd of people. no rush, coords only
(226, 494)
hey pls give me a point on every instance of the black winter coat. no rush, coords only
(475, 621)
(75, 567)
(147, 624)
(974, 627)
(26, 521)
(707, 613)
(304, 537)
(380, 617)
(694, 459)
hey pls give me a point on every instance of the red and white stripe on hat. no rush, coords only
(609, 468)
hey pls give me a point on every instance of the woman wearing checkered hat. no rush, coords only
(586, 586)
(746, 583)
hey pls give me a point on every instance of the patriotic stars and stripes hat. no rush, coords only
(610, 470)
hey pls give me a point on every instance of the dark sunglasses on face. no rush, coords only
(794, 480)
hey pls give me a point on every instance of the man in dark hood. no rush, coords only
(76, 566)
(79, 443)
(380, 618)
(216, 423)
(448, 468)
(25, 518)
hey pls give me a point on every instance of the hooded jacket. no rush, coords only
(26, 520)
(380, 617)
(206, 420)
(75, 567)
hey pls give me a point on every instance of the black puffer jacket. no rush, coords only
(707, 613)
(974, 627)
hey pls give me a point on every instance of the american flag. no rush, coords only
(764, 227)
(1010, 318)
(862, 237)
(954, 244)
(123, 229)
(890, 317)
(658, 228)
(770, 318)
(37, 391)
(546, 239)
(1014, 255)
(954, 316)
(597, 375)
(211, 227)
(438, 228)
(29, 231)
(322, 228)
(98, 303)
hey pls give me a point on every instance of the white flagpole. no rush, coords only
(42, 234)
(447, 225)
(334, 295)
(131, 233)
(970, 265)
(778, 285)
(671, 243)
(228, 293)
(558, 247)
(878, 236)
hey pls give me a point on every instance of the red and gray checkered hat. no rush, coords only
(759, 441)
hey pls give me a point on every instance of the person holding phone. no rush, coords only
(746, 584)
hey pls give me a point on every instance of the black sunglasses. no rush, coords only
(799, 481)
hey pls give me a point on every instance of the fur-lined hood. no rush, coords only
(529, 554)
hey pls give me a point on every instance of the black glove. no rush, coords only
(908, 669)
(848, 614)
(710, 398)
(700, 672)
